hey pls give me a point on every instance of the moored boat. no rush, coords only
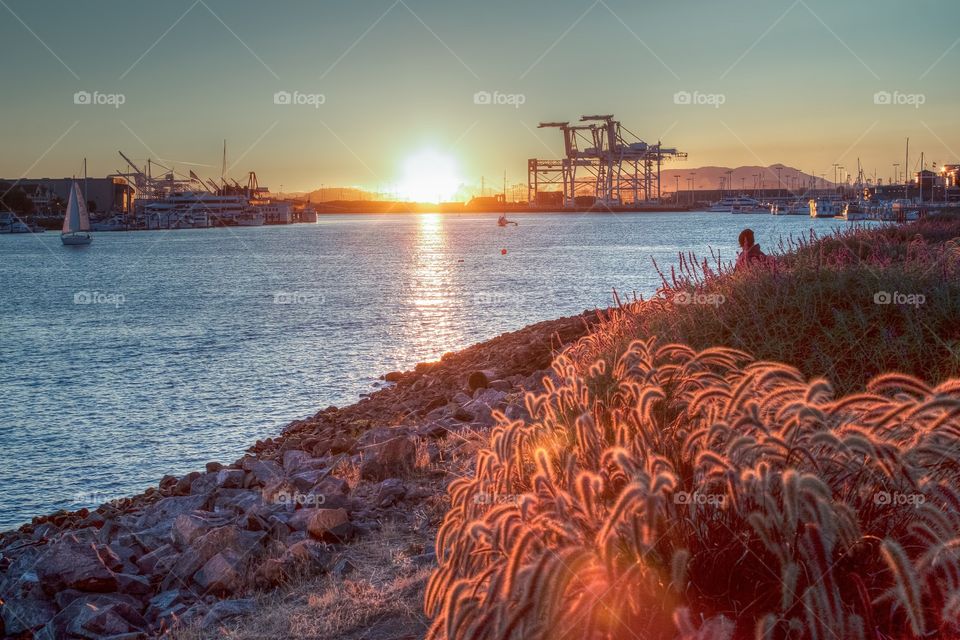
(737, 204)
(824, 208)
(795, 208)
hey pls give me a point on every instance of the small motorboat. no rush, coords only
(503, 222)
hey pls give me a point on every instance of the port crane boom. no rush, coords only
(604, 165)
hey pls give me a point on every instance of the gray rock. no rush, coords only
(21, 615)
(225, 610)
(231, 478)
(204, 484)
(393, 458)
(379, 435)
(480, 379)
(389, 492)
(158, 561)
(147, 539)
(265, 471)
(343, 568)
(221, 574)
(295, 461)
(516, 412)
(278, 491)
(182, 488)
(235, 501)
(166, 599)
(74, 564)
(188, 527)
(244, 544)
(19, 579)
(94, 616)
(133, 584)
(170, 508)
(301, 518)
(484, 404)
(65, 597)
(311, 555)
(323, 524)
(304, 481)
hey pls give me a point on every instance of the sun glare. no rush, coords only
(429, 176)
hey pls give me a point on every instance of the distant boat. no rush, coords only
(250, 220)
(9, 223)
(750, 208)
(854, 211)
(116, 223)
(824, 208)
(502, 221)
(738, 204)
(796, 208)
(76, 224)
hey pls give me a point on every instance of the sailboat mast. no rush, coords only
(920, 180)
(223, 165)
(906, 172)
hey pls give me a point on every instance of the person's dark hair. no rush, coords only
(746, 238)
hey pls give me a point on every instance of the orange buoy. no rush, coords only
(503, 252)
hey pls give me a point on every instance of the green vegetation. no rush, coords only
(664, 492)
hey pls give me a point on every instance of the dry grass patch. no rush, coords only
(384, 587)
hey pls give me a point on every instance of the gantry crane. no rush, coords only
(602, 159)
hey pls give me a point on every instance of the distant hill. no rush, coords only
(746, 177)
(707, 178)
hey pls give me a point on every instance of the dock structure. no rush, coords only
(604, 165)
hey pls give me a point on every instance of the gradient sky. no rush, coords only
(798, 80)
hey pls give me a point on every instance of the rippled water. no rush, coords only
(195, 344)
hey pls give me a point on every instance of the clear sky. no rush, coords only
(790, 81)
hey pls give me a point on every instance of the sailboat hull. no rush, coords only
(75, 239)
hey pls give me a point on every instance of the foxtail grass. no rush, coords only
(689, 486)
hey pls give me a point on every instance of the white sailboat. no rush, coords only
(76, 224)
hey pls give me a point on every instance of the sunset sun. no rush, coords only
(429, 176)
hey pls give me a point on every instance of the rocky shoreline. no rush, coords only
(188, 556)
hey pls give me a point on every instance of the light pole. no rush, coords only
(779, 183)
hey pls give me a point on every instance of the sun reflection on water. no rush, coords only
(434, 285)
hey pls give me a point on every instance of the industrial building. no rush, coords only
(110, 194)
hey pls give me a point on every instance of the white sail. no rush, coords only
(77, 218)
